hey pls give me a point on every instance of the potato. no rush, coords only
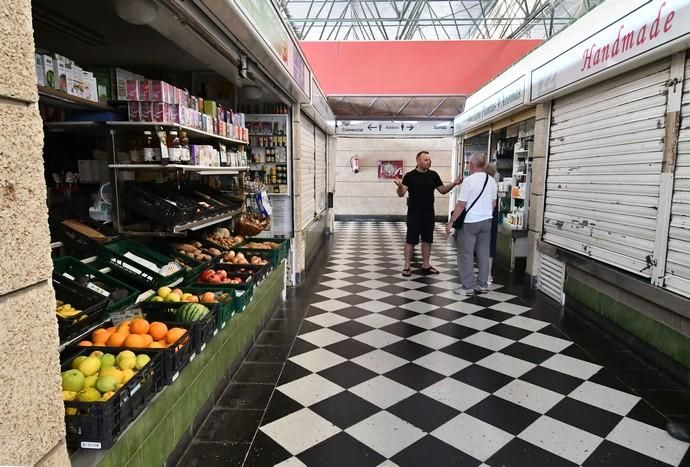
(214, 251)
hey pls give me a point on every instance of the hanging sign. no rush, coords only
(649, 27)
(388, 170)
(395, 128)
(507, 98)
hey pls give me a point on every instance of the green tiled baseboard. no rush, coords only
(653, 333)
(151, 438)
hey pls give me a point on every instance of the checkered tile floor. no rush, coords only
(390, 371)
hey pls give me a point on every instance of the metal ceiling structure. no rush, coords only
(318, 20)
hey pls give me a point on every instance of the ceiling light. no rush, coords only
(136, 11)
(252, 92)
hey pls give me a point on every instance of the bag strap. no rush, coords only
(479, 196)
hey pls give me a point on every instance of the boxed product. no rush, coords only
(40, 74)
(210, 108)
(157, 90)
(145, 91)
(174, 113)
(132, 90)
(134, 111)
(75, 81)
(146, 111)
(48, 71)
(121, 78)
(168, 93)
(158, 111)
(60, 69)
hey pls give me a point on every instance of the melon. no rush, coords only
(191, 312)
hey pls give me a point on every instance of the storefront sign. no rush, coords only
(652, 25)
(507, 98)
(398, 128)
(388, 170)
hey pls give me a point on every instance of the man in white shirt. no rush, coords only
(478, 196)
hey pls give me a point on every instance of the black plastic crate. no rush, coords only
(73, 270)
(226, 307)
(203, 330)
(91, 304)
(97, 425)
(276, 255)
(243, 293)
(159, 204)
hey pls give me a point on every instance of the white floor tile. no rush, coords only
(338, 275)
(571, 366)
(461, 306)
(326, 319)
(476, 322)
(523, 322)
(473, 436)
(379, 361)
(489, 341)
(372, 284)
(330, 305)
(336, 284)
(446, 285)
(376, 320)
(455, 394)
(407, 284)
(317, 360)
(414, 294)
(648, 440)
(506, 364)
(377, 338)
(442, 363)
(507, 307)
(310, 389)
(605, 398)
(562, 439)
(542, 341)
(433, 339)
(372, 275)
(300, 430)
(291, 462)
(323, 337)
(388, 463)
(419, 307)
(385, 433)
(381, 391)
(333, 293)
(374, 306)
(529, 395)
(425, 321)
(374, 294)
(499, 297)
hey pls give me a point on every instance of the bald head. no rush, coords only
(477, 162)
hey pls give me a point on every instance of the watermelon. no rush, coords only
(191, 312)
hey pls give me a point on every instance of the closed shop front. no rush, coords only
(320, 161)
(305, 189)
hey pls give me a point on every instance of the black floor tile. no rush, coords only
(527, 352)
(423, 412)
(354, 288)
(443, 313)
(552, 331)
(414, 376)
(608, 454)
(519, 453)
(552, 380)
(584, 416)
(648, 379)
(576, 351)
(280, 406)
(229, 426)
(283, 325)
(341, 450)
(493, 315)
(292, 372)
(268, 354)
(266, 373)
(509, 332)
(402, 329)
(351, 328)
(392, 289)
(349, 348)
(301, 346)
(246, 396)
(275, 338)
(344, 409)
(265, 452)
(670, 403)
(455, 330)
(399, 313)
(482, 378)
(308, 326)
(408, 350)
(438, 301)
(397, 300)
(200, 454)
(347, 374)
(352, 312)
(354, 299)
(645, 413)
(467, 351)
(503, 414)
(432, 452)
(606, 377)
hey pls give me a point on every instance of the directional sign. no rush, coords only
(394, 128)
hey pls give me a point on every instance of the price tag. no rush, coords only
(90, 445)
(192, 357)
(203, 347)
(134, 389)
(174, 377)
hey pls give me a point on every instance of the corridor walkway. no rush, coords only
(387, 370)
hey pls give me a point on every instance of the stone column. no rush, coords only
(538, 188)
(33, 430)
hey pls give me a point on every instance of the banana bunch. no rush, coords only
(66, 310)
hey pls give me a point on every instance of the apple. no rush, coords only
(222, 273)
(207, 274)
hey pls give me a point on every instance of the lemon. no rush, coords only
(90, 366)
(142, 360)
(77, 361)
(72, 380)
(90, 381)
(89, 395)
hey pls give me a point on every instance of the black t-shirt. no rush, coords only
(421, 186)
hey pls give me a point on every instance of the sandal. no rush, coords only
(430, 270)
(406, 272)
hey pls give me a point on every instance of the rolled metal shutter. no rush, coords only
(602, 185)
(320, 171)
(677, 277)
(306, 179)
(551, 277)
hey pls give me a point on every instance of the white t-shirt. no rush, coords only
(469, 190)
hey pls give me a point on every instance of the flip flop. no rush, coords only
(406, 273)
(430, 270)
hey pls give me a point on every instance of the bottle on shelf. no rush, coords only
(150, 152)
(163, 143)
(185, 154)
(174, 147)
(136, 150)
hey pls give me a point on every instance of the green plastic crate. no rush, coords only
(226, 307)
(276, 255)
(71, 268)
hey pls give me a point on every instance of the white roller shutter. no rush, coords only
(677, 276)
(320, 171)
(602, 185)
(306, 179)
(551, 277)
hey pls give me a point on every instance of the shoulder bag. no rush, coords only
(460, 221)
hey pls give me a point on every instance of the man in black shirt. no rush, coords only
(421, 183)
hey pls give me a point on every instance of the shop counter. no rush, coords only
(511, 244)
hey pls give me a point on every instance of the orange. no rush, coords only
(158, 330)
(163, 343)
(98, 332)
(135, 340)
(112, 329)
(147, 338)
(174, 335)
(101, 337)
(139, 326)
(156, 345)
(126, 322)
(123, 329)
(85, 343)
(116, 339)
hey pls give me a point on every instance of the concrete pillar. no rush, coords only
(299, 245)
(33, 430)
(538, 187)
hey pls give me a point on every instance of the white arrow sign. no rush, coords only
(393, 128)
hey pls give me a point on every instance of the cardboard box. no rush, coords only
(174, 112)
(168, 93)
(157, 90)
(146, 111)
(133, 90)
(121, 78)
(145, 90)
(48, 71)
(60, 68)
(158, 111)
(40, 74)
(75, 81)
(134, 111)
(210, 108)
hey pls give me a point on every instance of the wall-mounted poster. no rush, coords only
(389, 170)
